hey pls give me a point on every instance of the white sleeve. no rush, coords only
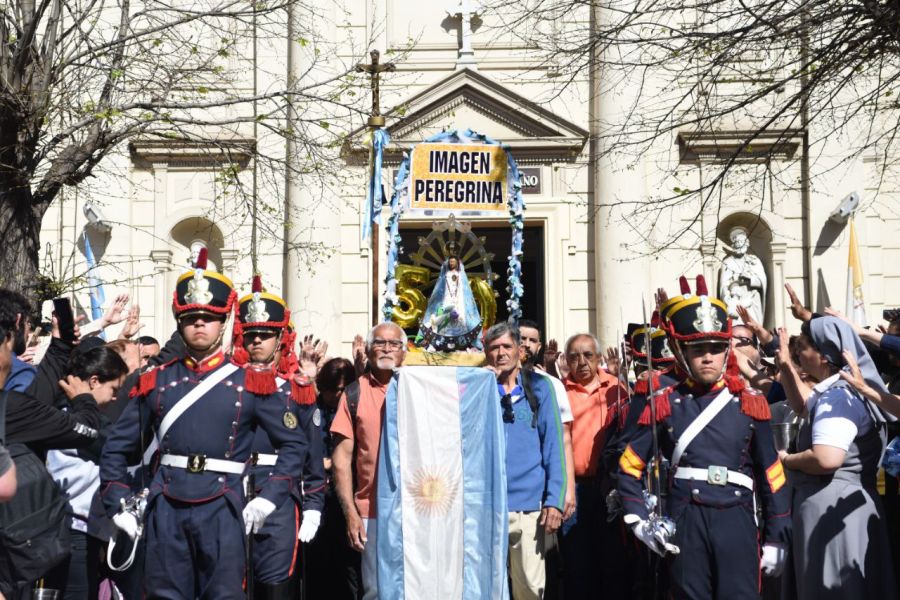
(838, 432)
(562, 399)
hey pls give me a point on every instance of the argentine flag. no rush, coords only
(98, 298)
(442, 510)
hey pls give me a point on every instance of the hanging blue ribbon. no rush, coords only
(516, 203)
(375, 193)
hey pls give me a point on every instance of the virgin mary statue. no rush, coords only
(451, 321)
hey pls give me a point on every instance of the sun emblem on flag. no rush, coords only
(433, 490)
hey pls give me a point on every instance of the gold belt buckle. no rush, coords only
(196, 463)
(717, 475)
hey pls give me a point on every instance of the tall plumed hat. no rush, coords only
(659, 352)
(697, 317)
(262, 311)
(203, 291)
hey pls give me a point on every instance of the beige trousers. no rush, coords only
(527, 543)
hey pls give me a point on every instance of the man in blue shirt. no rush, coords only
(535, 460)
(21, 373)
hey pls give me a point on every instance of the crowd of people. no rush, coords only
(703, 457)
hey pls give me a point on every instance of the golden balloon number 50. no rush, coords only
(411, 305)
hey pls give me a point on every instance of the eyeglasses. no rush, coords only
(506, 403)
(573, 357)
(744, 341)
(392, 344)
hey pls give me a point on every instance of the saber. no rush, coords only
(651, 393)
(251, 493)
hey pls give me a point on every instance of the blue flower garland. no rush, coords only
(516, 204)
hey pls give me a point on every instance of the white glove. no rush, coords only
(126, 522)
(310, 525)
(772, 561)
(643, 532)
(255, 514)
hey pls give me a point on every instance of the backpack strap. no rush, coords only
(352, 392)
(3, 417)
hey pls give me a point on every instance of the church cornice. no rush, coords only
(719, 146)
(543, 135)
(191, 154)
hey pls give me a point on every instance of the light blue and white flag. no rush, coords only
(442, 510)
(98, 297)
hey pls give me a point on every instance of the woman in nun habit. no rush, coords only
(840, 547)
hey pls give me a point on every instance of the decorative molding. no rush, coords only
(745, 146)
(545, 136)
(179, 153)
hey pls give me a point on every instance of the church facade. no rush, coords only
(588, 263)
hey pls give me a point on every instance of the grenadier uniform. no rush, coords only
(721, 451)
(204, 416)
(276, 546)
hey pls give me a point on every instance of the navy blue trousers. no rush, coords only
(719, 557)
(593, 550)
(194, 551)
(275, 546)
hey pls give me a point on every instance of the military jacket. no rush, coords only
(310, 491)
(733, 440)
(222, 424)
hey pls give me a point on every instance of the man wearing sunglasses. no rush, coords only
(535, 460)
(357, 432)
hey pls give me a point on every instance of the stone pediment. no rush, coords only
(469, 100)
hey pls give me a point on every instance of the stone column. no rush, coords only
(229, 263)
(776, 284)
(162, 300)
(312, 288)
(618, 284)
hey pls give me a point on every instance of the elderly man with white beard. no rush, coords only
(357, 427)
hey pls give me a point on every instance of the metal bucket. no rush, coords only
(784, 434)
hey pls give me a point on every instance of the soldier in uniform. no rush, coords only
(264, 339)
(203, 412)
(715, 433)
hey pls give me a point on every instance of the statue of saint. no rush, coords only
(743, 277)
(451, 321)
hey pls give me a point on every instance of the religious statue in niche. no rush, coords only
(742, 281)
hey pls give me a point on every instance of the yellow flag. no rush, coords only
(856, 306)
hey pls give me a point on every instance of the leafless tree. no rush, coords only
(81, 79)
(759, 85)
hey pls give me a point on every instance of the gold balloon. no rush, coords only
(412, 302)
(484, 298)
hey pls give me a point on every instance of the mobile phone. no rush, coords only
(891, 314)
(64, 318)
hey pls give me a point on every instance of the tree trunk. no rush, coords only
(20, 240)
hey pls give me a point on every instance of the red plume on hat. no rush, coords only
(654, 319)
(257, 284)
(701, 286)
(202, 258)
(685, 286)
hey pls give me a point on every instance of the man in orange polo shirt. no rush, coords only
(592, 548)
(357, 426)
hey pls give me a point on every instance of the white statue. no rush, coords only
(743, 278)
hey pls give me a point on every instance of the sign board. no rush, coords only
(531, 179)
(458, 177)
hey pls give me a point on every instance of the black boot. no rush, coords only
(286, 590)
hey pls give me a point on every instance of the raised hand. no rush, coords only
(762, 334)
(132, 323)
(359, 354)
(115, 314)
(551, 352)
(613, 362)
(799, 311)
